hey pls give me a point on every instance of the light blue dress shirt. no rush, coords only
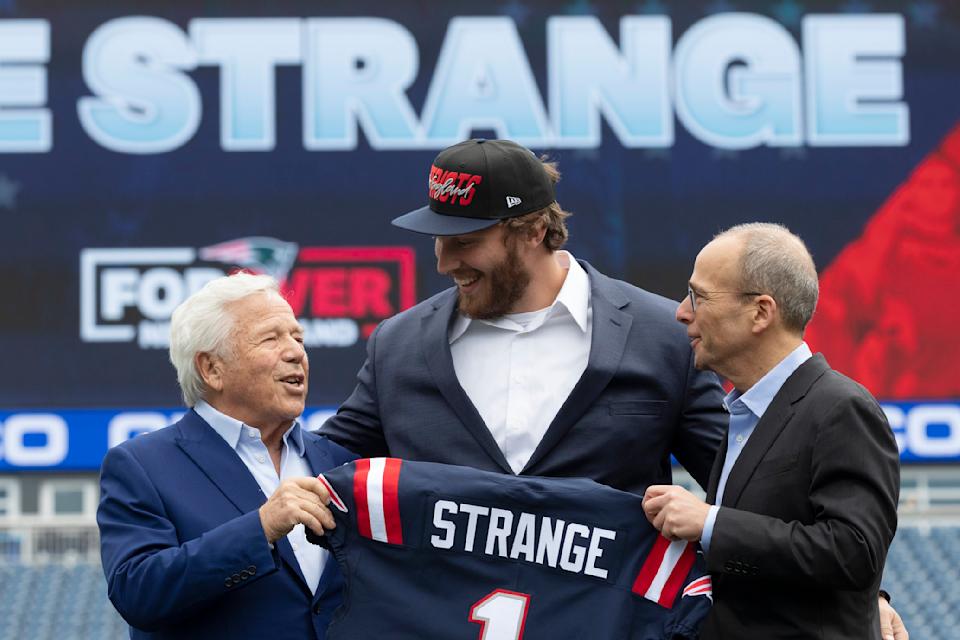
(746, 409)
(248, 444)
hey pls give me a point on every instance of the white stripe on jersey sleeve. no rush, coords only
(669, 563)
(378, 524)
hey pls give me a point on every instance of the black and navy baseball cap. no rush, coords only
(477, 183)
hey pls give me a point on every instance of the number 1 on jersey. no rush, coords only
(501, 614)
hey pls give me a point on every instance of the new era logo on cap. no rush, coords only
(475, 184)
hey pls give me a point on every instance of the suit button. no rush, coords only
(728, 566)
(317, 609)
(228, 583)
(252, 569)
(236, 578)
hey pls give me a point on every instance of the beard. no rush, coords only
(499, 290)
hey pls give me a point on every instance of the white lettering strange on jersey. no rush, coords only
(569, 546)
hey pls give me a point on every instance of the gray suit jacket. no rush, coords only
(638, 401)
(808, 512)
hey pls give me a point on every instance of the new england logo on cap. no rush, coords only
(453, 187)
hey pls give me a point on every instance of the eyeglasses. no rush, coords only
(693, 295)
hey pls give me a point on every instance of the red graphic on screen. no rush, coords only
(889, 303)
(367, 284)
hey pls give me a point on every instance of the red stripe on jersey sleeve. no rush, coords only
(361, 471)
(391, 501)
(703, 584)
(650, 566)
(335, 498)
(675, 582)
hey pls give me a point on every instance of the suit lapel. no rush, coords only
(436, 351)
(316, 451)
(611, 326)
(768, 429)
(318, 455)
(220, 463)
(716, 470)
(227, 472)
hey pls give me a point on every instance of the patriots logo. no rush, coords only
(262, 255)
(702, 586)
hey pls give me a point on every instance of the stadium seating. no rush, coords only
(923, 576)
(56, 602)
(65, 602)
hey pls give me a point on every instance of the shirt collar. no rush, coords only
(575, 292)
(758, 397)
(230, 429)
(574, 296)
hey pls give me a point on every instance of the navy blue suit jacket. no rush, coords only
(183, 549)
(639, 399)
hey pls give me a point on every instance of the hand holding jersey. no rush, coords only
(296, 501)
(675, 512)
(521, 556)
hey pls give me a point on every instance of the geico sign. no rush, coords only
(124, 426)
(34, 440)
(912, 425)
(43, 440)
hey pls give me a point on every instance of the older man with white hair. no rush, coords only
(192, 546)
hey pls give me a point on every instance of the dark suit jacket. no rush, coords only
(638, 400)
(182, 546)
(808, 512)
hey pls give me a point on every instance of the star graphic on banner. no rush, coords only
(856, 6)
(8, 192)
(517, 10)
(924, 14)
(653, 8)
(482, 85)
(788, 13)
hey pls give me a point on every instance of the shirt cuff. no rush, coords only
(708, 528)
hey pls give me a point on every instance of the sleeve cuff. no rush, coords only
(708, 528)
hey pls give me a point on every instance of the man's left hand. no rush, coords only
(891, 626)
(675, 512)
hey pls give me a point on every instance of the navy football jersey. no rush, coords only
(440, 551)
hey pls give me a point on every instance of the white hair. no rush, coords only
(202, 324)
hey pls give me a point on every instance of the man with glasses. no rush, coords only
(802, 499)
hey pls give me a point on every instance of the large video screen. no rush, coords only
(146, 147)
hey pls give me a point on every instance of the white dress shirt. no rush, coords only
(246, 441)
(519, 369)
